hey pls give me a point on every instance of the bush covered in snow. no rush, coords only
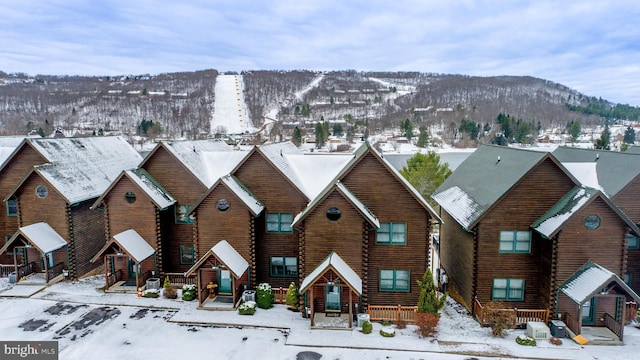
(388, 331)
(247, 308)
(264, 296)
(188, 292)
(151, 293)
(525, 340)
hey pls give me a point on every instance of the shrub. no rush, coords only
(188, 292)
(167, 283)
(426, 323)
(525, 340)
(264, 296)
(401, 324)
(499, 318)
(388, 331)
(151, 293)
(247, 308)
(170, 293)
(367, 327)
(292, 296)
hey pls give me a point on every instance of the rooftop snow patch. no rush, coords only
(345, 272)
(40, 235)
(459, 205)
(134, 245)
(553, 219)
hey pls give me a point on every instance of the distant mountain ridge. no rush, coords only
(378, 101)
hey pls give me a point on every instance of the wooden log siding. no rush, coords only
(87, 229)
(390, 201)
(457, 257)
(278, 195)
(233, 225)
(10, 175)
(517, 210)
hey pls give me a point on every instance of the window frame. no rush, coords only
(12, 203)
(637, 242)
(284, 273)
(182, 253)
(279, 222)
(514, 242)
(508, 289)
(395, 287)
(188, 219)
(390, 240)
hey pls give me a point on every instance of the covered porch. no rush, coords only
(330, 291)
(40, 254)
(129, 261)
(222, 276)
(592, 303)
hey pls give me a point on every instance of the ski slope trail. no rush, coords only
(230, 112)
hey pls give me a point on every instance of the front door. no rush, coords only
(224, 279)
(332, 298)
(132, 268)
(48, 257)
(588, 312)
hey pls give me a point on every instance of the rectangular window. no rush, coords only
(394, 280)
(392, 233)
(627, 278)
(284, 266)
(633, 242)
(12, 207)
(279, 222)
(181, 214)
(187, 254)
(508, 289)
(514, 241)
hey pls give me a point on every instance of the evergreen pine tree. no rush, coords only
(603, 143)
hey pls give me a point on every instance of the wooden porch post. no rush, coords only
(106, 272)
(312, 307)
(138, 286)
(46, 268)
(199, 285)
(15, 261)
(350, 308)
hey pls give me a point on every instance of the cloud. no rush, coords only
(589, 45)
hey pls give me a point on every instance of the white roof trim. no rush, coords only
(230, 257)
(131, 242)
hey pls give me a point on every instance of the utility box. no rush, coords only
(558, 328)
(12, 278)
(153, 283)
(537, 330)
(249, 295)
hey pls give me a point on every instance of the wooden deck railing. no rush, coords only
(392, 313)
(613, 325)
(26, 269)
(54, 271)
(571, 323)
(520, 316)
(279, 295)
(5, 270)
(178, 279)
(114, 278)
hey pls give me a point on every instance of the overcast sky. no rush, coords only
(592, 46)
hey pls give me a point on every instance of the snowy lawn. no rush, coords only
(87, 322)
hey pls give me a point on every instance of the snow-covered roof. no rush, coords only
(227, 255)
(585, 172)
(345, 272)
(549, 223)
(155, 191)
(243, 194)
(220, 163)
(484, 178)
(8, 144)
(317, 171)
(277, 154)
(42, 236)
(590, 279)
(131, 243)
(193, 153)
(373, 220)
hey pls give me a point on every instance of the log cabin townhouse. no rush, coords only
(520, 228)
(55, 182)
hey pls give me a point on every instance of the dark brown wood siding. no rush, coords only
(390, 201)
(233, 225)
(88, 235)
(456, 257)
(533, 196)
(51, 209)
(628, 200)
(278, 196)
(11, 174)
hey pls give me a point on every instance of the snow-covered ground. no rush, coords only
(86, 322)
(230, 114)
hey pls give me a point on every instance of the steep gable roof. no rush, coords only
(276, 154)
(365, 149)
(238, 189)
(41, 235)
(342, 189)
(8, 144)
(335, 262)
(484, 178)
(614, 169)
(577, 198)
(590, 279)
(131, 243)
(227, 255)
(192, 155)
(156, 193)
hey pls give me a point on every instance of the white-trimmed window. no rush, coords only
(515, 241)
(508, 289)
(394, 233)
